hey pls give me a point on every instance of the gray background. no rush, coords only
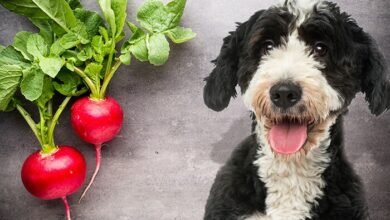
(162, 165)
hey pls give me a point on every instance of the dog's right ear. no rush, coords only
(221, 83)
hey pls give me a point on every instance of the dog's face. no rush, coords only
(299, 66)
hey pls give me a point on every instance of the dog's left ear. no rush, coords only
(375, 82)
(221, 83)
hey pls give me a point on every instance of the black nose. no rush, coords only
(285, 95)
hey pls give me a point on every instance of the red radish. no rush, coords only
(55, 171)
(96, 122)
(54, 175)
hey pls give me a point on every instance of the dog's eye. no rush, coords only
(320, 49)
(268, 45)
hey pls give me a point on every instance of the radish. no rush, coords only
(96, 122)
(54, 172)
(54, 175)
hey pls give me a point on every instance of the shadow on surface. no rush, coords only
(237, 132)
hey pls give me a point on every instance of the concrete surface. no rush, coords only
(163, 163)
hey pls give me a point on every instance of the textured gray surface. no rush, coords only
(164, 161)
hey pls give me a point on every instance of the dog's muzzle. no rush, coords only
(288, 134)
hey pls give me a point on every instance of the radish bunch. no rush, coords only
(75, 51)
(98, 119)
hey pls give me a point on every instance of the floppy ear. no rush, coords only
(221, 83)
(375, 82)
(372, 66)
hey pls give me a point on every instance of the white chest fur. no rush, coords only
(292, 184)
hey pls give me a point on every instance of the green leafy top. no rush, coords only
(77, 39)
(30, 67)
(157, 21)
(75, 50)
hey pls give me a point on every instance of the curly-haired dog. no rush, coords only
(299, 65)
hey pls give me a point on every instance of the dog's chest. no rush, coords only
(292, 185)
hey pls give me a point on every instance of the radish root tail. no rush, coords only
(98, 148)
(67, 209)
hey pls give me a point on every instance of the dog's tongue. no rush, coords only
(287, 138)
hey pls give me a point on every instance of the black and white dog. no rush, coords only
(299, 65)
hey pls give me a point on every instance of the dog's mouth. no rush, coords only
(288, 134)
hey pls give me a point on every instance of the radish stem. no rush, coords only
(110, 56)
(108, 77)
(42, 125)
(49, 112)
(30, 122)
(54, 120)
(50, 109)
(88, 81)
(98, 149)
(67, 209)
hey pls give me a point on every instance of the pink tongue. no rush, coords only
(287, 138)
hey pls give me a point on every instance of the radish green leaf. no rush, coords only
(158, 48)
(140, 50)
(180, 35)
(91, 20)
(119, 7)
(45, 29)
(74, 4)
(51, 65)
(10, 76)
(9, 56)
(59, 11)
(154, 16)
(67, 82)
(93, 71)
(67, 41)
(47, 92)
(26, 8)
(36, 46)
(20, 44)
(32, 83)
(157, 17)
(125, 58)
(109, 14)
(176, 7)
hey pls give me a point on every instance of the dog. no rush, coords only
(298, 65)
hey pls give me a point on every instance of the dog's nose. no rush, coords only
(285, 95)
